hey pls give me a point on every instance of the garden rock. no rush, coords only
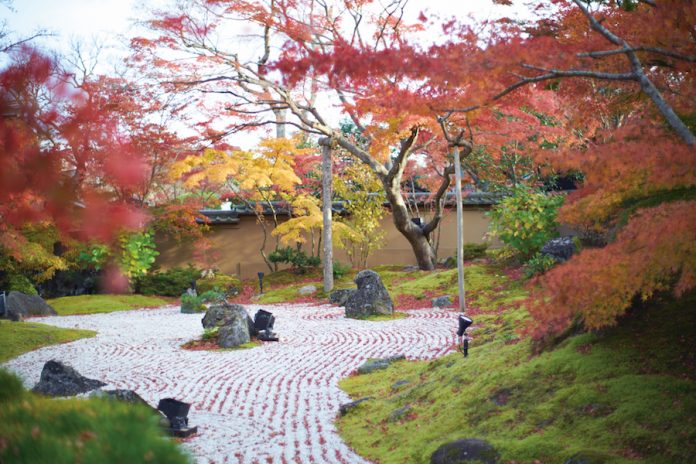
(442, 302)
(560, 249)
(234, 334)
(307, 290)
(58, 379)
(400, 413)
(347, 407)
(222, 314)
(19, 305)
(131, 397)
(340, 296)
(399, 383)
(372, 365)
(588, 457)
(465, 450)
(371, 297)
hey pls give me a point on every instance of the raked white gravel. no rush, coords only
(275, 403)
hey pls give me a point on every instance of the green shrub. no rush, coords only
(197, 302)
(35, 429)
(539, 264)
(172, 282)
(474, 250)
(227, 284)
(19, 283)
(526, 219)
(298, 259)
(340, 270)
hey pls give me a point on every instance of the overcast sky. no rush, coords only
(111, 22)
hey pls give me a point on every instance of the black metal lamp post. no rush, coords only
(260, 274)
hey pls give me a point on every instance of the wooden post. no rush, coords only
(460, 228)
(326, 195)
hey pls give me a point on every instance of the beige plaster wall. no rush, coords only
(238, 246)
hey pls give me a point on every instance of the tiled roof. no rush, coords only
(217, 216)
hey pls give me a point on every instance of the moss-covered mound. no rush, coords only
(34, 429)
(625, 395)
(92, 304)
(21, 337)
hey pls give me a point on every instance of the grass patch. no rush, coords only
(210, 344)
(38, 429)
(92, 304)
(21, 337)
(626, 393)
(385, 317)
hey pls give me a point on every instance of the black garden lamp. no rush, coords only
(263, 323)
(464, 323)
(177, 413)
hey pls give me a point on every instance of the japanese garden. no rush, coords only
(350, 231)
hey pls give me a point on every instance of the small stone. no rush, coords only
(372, 365)
(442, 302)
(588, 457)
(411, 268)
(465, 450)
(398, 384)
(399, 414)
(307, 290)
(347, 407)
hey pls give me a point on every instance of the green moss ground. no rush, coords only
(626, 393)
(21, 337)
(481, 280)
(92, 304)
(35, 429)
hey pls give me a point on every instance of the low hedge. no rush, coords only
(226, 284)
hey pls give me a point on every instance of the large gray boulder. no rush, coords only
(371, 297)
(19, 305)
(58, 379)
(465, 450)
(560, 249)
(235, 325)
(222, 314)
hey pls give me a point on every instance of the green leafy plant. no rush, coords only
(209, 334)
(172, 282)
(298, 259)
(19, 283)
(526, 219)
(538, 264)
(92, 257)
(138, 253)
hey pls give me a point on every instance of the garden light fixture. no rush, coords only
(464, 323)
(177, 413)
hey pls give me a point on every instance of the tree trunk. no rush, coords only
(326, 194)
(422, 249)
